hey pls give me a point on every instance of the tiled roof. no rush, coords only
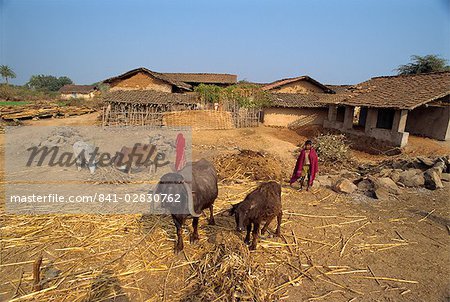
(77, 89)
(339, 88)
(154, 74)
(303, 100)
(150, 97)
(283, 82)
(206, 78)
(399, 92)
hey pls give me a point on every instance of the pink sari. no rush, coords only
(180, 159)
(314, 166)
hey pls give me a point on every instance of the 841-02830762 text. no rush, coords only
(97, 197)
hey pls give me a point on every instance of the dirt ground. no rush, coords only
(334, 247)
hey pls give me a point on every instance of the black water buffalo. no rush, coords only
(203, 186)
(262, 204)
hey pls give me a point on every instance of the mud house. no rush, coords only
(297, 102)
(144, 97)
(78, 91)
(389, 108)
(145, 79)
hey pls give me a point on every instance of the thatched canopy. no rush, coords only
(150, 97)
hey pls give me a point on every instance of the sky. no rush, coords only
(333, 41)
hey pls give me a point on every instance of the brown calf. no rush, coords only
(262, 204)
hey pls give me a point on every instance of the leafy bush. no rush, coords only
(246, 95)
(209, 93)
(21, 93)
(332, 147)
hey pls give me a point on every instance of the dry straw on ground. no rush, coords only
(130, 257)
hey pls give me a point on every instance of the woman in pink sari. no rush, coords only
(306, 167)
(180, 157)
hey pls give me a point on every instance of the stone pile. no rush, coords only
(388, 178)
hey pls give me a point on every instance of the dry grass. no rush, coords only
(130, 257)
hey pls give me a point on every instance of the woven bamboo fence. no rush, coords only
(198, 115)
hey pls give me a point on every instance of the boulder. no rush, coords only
(439, 166)
(324, 180)
(395, 175)
(385, 183)
(385, 172)
(446, 160)
(412, 178)
(344, 186)
(365, 185)
(426, 161)
(381, 193)
(349, 174)
(445, 177)
(433, 179)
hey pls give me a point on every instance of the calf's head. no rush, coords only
(240, 215)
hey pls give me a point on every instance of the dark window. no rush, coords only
(340, 114)
(385, 118)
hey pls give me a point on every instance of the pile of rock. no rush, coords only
(386, 180)
(60, 137)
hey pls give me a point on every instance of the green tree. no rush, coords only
(47, 82)
(245, 94)
(209, 93)
(7, 73)
(424, 64)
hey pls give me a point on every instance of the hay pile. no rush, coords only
(228, 273)
(248, 165)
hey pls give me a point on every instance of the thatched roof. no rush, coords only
(150, 97)
(66, 89)
(283, 82)
(157, 75)
(398, 92)
(205, 78)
